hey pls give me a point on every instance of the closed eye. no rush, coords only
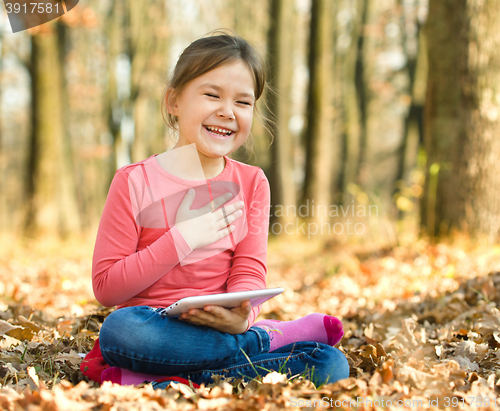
(244, 102)
(211, 95)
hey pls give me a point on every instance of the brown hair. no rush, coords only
(207, 53)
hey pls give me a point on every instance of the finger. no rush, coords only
(204, 316)
(216, 203)
(246, 305)
(224, 213)
(227, 219)
(231, 209)
(216, 311)
(244, 309)
(194, 321)
(193, 318)
(190, 314)
(188, 199)
(224, 232)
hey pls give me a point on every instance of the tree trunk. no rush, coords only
(416, 54)
(322, 143)
(143, 18)
(353, 95)
(113, 109)
(360, 80)
(4, 220)
(463, 119)
(93, 163)
(52, 208)
(279, 66)
(250, 20)
(383, 111)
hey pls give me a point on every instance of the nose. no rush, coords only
(226, 111)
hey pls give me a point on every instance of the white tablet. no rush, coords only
(226, 300)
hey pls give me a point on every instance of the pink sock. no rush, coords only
(123, 376)
(313, 327)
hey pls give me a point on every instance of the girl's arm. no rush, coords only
(119, 271)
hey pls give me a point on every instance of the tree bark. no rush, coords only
(113, 109)
(249, 20)
(279, 67)
(360, 80)
(463, 119)
(353, 98)
(52, 207)
(382, 111)
(4, 220)
(144, 44)
(416, 54)
(322, 143)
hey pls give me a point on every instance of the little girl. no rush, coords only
(192, 221)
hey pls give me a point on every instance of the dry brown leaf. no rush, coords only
(30, 324)
(33, 376)
(274, 378)
(213, 403)
(420, 379)
(380, 351)
(368, 351)
(5, 327)
(21, 333)
(72, 357)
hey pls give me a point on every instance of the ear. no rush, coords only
(171, 101)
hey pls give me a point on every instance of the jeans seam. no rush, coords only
(313, 353)
(261, 342)
(234, 367)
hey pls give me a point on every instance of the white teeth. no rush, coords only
(219, 130)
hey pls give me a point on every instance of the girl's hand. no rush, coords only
(203, 226)
(233, 321)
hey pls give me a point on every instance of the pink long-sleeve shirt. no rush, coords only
(140, 257)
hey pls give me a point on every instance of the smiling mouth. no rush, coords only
(219, 131)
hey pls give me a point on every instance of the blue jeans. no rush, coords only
(141, 340)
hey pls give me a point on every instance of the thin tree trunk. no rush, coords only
(250, 20)
(321, 150)
(413, 128)
(113, 111)
(352, 76)
(4, 211)
(385, 86)
(361, 95)
(280, 46)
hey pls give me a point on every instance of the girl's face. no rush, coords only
(215, 110)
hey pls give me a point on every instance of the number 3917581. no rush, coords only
(32, 8)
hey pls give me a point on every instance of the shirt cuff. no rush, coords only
(181, 246)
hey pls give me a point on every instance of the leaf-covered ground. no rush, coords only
(422, 329)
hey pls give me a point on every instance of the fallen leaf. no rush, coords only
(274, 378)
(33, 376)
(6, 327)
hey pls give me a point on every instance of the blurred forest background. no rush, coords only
(392, 103)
